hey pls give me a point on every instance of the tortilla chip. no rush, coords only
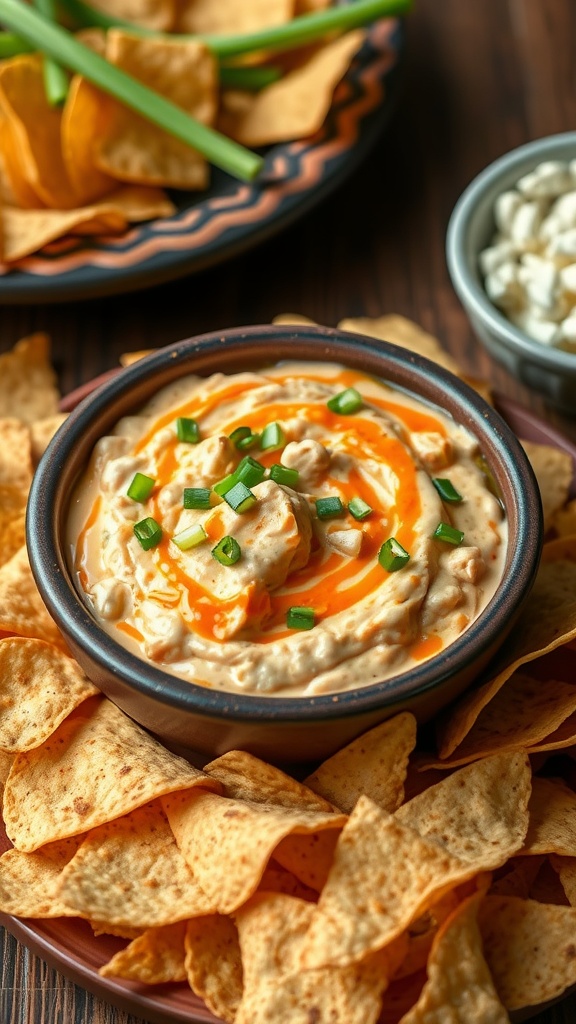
(295, 106)
(28, 387)
(529, 948)
(22, 610)
(12, 527)
(552, 827)
(547, 620)
(146, 882)
(564, 519)
(15, 455)
(459, 985)
(245, 777)
(554, 471)
(518, 877)
(154, 958)
(566, 868)
(398, 330)
(15, 189)
(213, 964)
(308, 857)
(547, 887)
(98, 765)
(294, 318)
(42, 432)
(230, 17)
(228, 843)
(29, 881)
(278, 879)
(127, 358)
(375, 764)
(479, 813)
(157, 15)
(87, 113)
(272, 929)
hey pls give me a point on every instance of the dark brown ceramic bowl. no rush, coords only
(298, 729)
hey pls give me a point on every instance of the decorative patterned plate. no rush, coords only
(230, 216)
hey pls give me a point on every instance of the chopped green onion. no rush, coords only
(250, 78)
(240, 434)
(197, 497)
(148, 532)
(359, 508)
(240, 498)
(272, 437)
(345, 402)
(447, 491)
(187, 430)
(444, 531)
(11, 45)
(329, 508)
(56, 42)
(250, 471)
(227, 551)
(56, 80)
(225, 484)
(141, 487)
(250, 441)
(190, 538)
(300, 617)
(392, 556)
(283, 475)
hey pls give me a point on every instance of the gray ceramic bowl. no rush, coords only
(471, 228)
(197, 720)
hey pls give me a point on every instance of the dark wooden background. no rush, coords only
(481, 76)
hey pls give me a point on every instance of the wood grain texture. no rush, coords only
(479, 79)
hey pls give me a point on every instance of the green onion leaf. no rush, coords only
(448, 533)
(250, 471)
(11, 45)
(141, 487)
(250, 441)
(345, 402)
(227, 551)
(358, 508)
(240, 434)
(190, 538)
(283, 475)
(447, 491)
(56, 42)
(225, 484)
(187, 430)
(250, 78)
(392, 556)
(240, 498)
(148, 532)
(272, 437)
(197, 497)
(329, 508)
(56, 80)
(300, 617)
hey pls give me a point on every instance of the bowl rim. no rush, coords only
(397, 365)
(465, 283)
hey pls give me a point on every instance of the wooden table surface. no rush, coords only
(480, 78)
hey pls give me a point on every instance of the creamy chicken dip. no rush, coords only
(338, 532)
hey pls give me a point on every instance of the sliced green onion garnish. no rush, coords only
(250, 78)
(359, 508)
(283, 475)
(227, 551)
(250, 441)
(447, 491)
(141, 487)
(392, 556)
(148, 532)
(250, 471)
(197, 497)
(329, 508)
(11, 45)
(272, 437)
(345, 402)
(226, 484)
(444, 531)
(300, 617)
(240, 434)
(56, 42)
(190, 538)
(240, 498)
(56, 80)
(187, 430)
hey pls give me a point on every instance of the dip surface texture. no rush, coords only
(226, 625)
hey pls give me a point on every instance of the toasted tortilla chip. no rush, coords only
(22, 610)
(566, 868)
(246, 777)
(15, 455)
(28, 387)
(295, 106)
(564, 520)
(553, 469)
(479, 813)
(308, 857)
(39, 687)
(384, 876)
(547, 620)
(278, 879)
(228, 843)
(28, 231)
(230, 17)
(42, 432)
(127, 358)
(29, 881)
(552, 810)
(547, 887)
(213, 964)
(529, 948)
(518, 877)
(154, 958)
(97, 766)
(153, 14)
(14, 188)
(459, 985)
(272, 929)
(87, 114)
(12, 527)
(403, 332)
(293, 318)
(146, 884)
(375, 764)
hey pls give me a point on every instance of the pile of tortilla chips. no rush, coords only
(94, 166)
(392, 884)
